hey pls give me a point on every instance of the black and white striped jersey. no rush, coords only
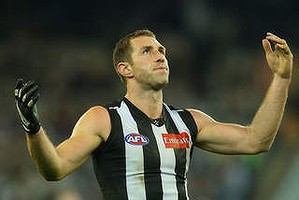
(145, 159)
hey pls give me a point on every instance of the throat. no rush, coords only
(152, 107)
(157, 119)
(158, 122)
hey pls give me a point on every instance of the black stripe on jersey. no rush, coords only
(122, 162)
(189, 121)
(112, 178)
(180, 167)
(151, 166)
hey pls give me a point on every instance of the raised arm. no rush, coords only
(55, 162)
(259, 135)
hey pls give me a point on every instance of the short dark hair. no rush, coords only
(123, 49)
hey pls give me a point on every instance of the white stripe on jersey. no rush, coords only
(167, 166)
(135, 184)
(181, 128)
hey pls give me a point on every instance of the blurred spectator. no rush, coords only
(68, 195)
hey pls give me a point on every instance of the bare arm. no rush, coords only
(54, 163)
(259, 135)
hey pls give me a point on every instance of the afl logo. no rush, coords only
(136, 139)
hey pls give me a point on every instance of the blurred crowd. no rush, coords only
(217, 65)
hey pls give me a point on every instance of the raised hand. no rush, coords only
(280, 58)
(26, 96)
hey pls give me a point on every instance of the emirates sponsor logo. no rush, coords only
(178, 141)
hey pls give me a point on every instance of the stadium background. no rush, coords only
(217, 65)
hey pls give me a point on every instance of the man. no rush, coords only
(140, 146)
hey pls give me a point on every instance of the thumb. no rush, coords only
(19, 85)
(267, 46)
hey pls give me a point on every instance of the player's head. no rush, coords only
(123, 49)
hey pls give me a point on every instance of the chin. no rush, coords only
(160, 86)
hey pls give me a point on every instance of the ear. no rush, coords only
(125, 70)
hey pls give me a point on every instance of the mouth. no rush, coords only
(161, 67)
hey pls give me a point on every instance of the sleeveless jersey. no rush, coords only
(145, 159)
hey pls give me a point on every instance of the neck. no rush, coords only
(149, 102)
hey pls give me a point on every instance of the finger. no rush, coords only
(283, 48)
(33, 100)
(271, 34)
(267, 46)
(26, 87)
(31, 94)
(275, 39)
(18, 86)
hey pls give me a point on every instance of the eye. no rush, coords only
(162, 50)
(145, 51)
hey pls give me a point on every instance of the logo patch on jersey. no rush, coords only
(177, 141)
(136, 139)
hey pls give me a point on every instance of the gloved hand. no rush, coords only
(26, 96)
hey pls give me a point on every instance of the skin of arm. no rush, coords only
(258, 136)
(55, 162)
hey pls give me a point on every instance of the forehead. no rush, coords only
(144, 41)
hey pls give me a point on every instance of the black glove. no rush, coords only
(26, 96)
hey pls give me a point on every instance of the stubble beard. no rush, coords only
(159, 85)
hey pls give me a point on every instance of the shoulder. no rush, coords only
(95, 114)
(184, 113)
(198, 113)
(96, 111)
(95, 121)
(193, 112)
(201, 119)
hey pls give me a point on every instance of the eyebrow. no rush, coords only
(147, 47)
(162, 48)
(151, 47)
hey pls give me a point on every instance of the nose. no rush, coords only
(159, 57)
